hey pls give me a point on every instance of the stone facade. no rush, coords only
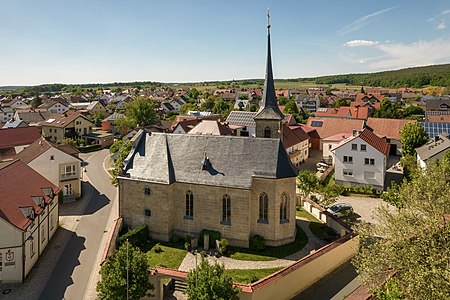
(275, 126)
(166, 210)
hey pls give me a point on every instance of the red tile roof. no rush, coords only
(40, 146)
(18, 183)
(370, 138)
(345, 112)
(439, 118)
(293, 136)
(62, 120)
(333, 126)
(12, 137)
(389, 128)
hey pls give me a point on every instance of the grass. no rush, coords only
(318, 228)
(271, 253)
(171, 255)
(250, 276)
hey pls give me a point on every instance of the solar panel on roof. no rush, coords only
(316, 123)
(433, 128)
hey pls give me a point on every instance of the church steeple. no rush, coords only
(269, 117)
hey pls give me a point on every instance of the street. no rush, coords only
(78, 262)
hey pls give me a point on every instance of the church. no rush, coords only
(180, 184)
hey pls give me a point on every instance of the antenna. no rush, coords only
(268, 18)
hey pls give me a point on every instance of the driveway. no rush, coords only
(365, 207)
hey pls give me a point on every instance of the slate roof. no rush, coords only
(389, 128)
(92, 105)
(40, 146)
(242, 118)
(168, 158)
(439, 144)
(12, 137)
(19, 183)
(370, 138)
(440, 103)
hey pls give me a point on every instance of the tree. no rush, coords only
(221, 107)
(282, 100)
(124, 149)
(141, 112)
(36, 101)
(411, 243)
(342, 102)
(69, 142)
(97, 118)
(307, 182)
(412, 135)
(208, 104)
(209, 282)
(253, 108)
(124, 125)
(113, 282)
(290, 108)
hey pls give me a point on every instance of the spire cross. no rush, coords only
(268, 19)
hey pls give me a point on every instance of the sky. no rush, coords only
(90, 41)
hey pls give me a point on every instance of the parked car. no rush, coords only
(340, 210)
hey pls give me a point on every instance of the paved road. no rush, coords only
(78, 264)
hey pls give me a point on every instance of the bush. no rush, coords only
(116, 146)
(257, 242)
(203, 253)
(90, 148)
(157, 248)
(223, 246)
(213, 236)
(136, 236)
(187, 246)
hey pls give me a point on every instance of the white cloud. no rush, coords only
(441, 25)
(360, 43)
(440, 19)
(358, 24)
(416, 54)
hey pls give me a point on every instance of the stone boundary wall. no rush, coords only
(111, 241)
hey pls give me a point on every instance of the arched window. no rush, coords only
(226, 210)
(267, 133)
(263, 208)
(147, 191)
(189, 205)
(284, 208)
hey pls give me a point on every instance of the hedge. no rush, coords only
(136, 236)
(90, 148)
(213, 236)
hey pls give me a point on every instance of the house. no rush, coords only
(330, 143)
(14, 140)
(361, 160)
(180, 184)
(16, 103)
(120, 101)
(15, 124)
(184, 123)
(439, 118)
(433, 149)
(343, 112)
(437, 106)
(6, 114)
(32, 117)
(167, 107)
(28, 219)
(435, 128)
(242, 122)
(102, 138)
(296, 143)
(58, 164)
(389, 129)
(326, 127)
(109, 123)
(96, 107)
(71, 125)
(309, 103)
(211, 127)
(55, 106)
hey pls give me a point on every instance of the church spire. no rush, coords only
(269, 105)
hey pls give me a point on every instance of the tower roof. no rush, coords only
(269, 105)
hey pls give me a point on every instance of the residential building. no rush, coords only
(68, 125)
(437, 106)
(433, 149)
(14, 140)
(242, 122)
(237, 186)
(28, 219)
(307, 102)
(109, 123)
(343, 112)
(389, 129)
(361, 160)
(296, 143)
(435, 128)
(211, 127)
(6, 114)
(96, 107)
(55, 106)
(32, 116)
(58, 164)
(330, 143)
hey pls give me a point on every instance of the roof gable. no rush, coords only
(12, 137)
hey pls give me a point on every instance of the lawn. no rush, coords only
(318, 228)
(170, 256)
(250, 276)
(271, 253)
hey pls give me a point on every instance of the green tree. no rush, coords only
(307, 182)
(412, 243)
(282, 100)
(193, 93)
(209, 282)
(291, 108)
(208, 104)
(141, 112)
(69, 142)
(124, 125)
(36, 101)
(412, 135)
(187, 107)
(221, 107)
(253, 108)
(124, 150)
(342, 102)
(113, 282)
(97, 118)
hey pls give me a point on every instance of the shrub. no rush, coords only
(213, 236)
(203, 253)
(136, 236)
(157, 248)
(187, 246)
(257, 242)
(223, 246)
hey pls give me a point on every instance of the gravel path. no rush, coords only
(314, 243)
(365, 207)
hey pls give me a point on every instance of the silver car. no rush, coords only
(340, 210)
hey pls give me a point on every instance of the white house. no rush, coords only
(433, 149)
(361, 160)
(310, 103)
(56, 107)
(6, 114)
(330, 143)
(28, 219)
(59, 164)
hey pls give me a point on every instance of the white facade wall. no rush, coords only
(361, 173)
(58, 108)
(326, 149)
(6, 114)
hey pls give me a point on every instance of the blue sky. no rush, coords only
(81, 41)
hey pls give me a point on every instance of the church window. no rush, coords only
(263, 208)
(226, 210)
(284, 208)
(189, 205)
(147, 191)
(267, 133)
